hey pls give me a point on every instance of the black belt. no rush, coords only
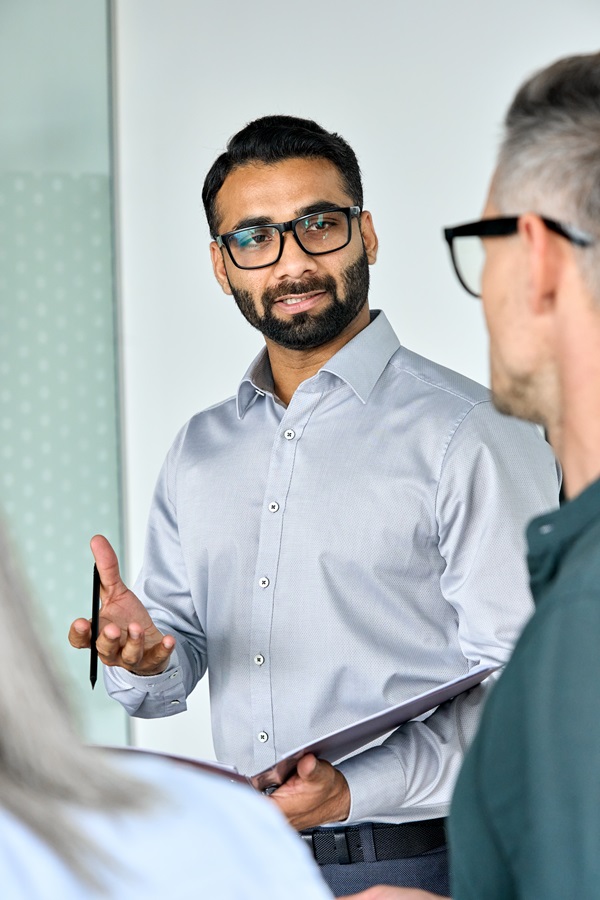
(346, 845)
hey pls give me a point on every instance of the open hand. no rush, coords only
(127, 636)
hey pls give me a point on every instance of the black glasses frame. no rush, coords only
(351, 212)
(503, 226)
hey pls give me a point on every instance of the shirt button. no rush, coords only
(263, 737)
(259, 659)
(273, 506)
(546, 529)
(289, 435)
(264, 582)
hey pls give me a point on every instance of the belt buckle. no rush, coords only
(340, 845)
(308, 839)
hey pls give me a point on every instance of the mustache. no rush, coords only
(307, 286)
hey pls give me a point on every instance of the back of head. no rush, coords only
(549, 161)
(45, 771)
(273, 139)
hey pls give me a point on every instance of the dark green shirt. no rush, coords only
(525, 818)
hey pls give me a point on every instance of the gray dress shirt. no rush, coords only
(338, 556)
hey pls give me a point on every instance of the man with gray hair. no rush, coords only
(525, 818)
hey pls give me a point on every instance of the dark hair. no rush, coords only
(273, 139)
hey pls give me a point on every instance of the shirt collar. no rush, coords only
(257, 382)
(550, 536)
(359, 364)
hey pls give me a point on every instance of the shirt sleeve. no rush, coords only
(163, 586)
(497, 473)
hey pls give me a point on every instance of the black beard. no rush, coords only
(305, 330)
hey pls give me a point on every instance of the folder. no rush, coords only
(339, 744)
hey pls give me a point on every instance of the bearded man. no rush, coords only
(344, 533)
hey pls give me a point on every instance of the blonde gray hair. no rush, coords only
(549, 160)
(46, 772)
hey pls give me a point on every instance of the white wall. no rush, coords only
(418, 89)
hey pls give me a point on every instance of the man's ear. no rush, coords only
(544, 255)
(218, 264)
(369, 237)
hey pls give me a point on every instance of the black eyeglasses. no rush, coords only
(468, 255)
(262, 245)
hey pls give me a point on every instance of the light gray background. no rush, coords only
(419, 90)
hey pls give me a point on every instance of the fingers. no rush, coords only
(119, 604)
(158, 658)
(116, 647)
(381, 892)
(386, 892)
(107, 563)
(315, 794)
(131, 650)
(80, 633)
(372, 893)
(127, 636)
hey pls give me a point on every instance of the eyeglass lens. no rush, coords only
(469, 257)
(319, 233)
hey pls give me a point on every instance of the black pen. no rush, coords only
(94, 636)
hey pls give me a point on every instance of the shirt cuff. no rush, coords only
(377, 783)
(166, 690)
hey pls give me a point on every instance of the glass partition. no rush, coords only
(59, 416)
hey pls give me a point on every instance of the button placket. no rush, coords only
(276, 488)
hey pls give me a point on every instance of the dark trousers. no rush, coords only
(428, 872)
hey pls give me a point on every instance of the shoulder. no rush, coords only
(234, 841)
(467, 407)
(224, 411)
(201, 835)
(189, 788)
(438, 379)
(205, 426)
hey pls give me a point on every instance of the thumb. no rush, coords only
(307, 767)
(106, 563)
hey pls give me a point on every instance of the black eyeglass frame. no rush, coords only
(503, 226)
(351, 212)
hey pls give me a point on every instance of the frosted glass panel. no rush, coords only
(59, 434)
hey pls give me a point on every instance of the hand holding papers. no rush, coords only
(341, 743)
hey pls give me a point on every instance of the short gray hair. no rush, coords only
(549, 160)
